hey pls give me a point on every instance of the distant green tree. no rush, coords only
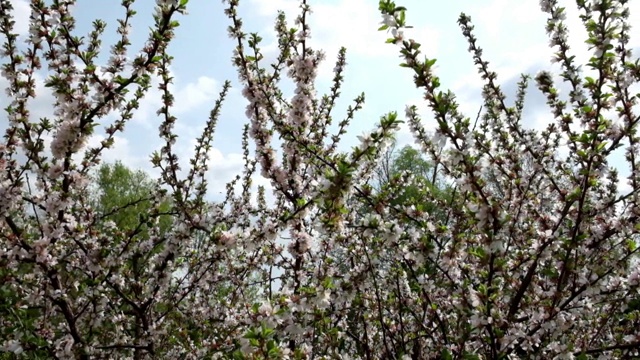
(129, 198)
(124, 196)
(116, 193)
(390, 182)
(403, 180)
(426, 179)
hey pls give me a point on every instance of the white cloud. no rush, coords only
(514, 39)
(345, 23)
(512, 33)
(270, 8)
(21, 13)
(126, 146)
(353, 24)
(120, 151)
(188, 97)
(515, 32)
(404, 135)
(498, 16)
(223, 168)
(203, 91)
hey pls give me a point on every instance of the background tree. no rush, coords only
(408, 184)
(124, 195)
(424, 180)
(406, 178)
(119, 195)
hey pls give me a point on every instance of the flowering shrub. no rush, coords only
(528, 257)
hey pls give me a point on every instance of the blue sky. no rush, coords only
(510, 32)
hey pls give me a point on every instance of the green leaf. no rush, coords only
(251, 334)
(446, 355)
(271, 345)
(631, 245)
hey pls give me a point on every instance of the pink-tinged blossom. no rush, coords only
(227, 239)
(388, 20)
(13, 346)
(68, 139)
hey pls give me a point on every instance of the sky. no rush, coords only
(512, 34)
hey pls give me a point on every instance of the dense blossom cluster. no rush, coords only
(530, 255)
